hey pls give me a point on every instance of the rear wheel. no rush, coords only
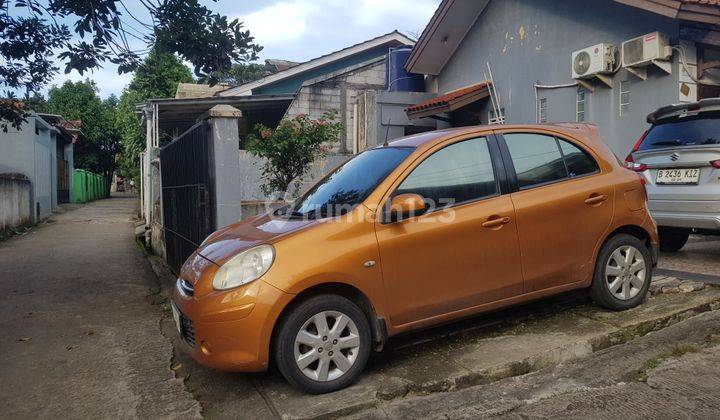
(622, 273)
(672, 239)
(323, 344)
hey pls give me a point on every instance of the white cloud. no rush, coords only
(280, 21)
(304, 29)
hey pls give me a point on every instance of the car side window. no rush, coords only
(458, 173)
(578, 161)
(536, 157)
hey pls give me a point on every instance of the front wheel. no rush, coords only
(622, 273)
(323, 344)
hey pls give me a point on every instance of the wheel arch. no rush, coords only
(632, 230)
(378, 328)
(629, 229)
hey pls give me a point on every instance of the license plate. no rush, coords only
(176, 317)
(678, 176)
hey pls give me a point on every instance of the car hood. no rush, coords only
(233, 239)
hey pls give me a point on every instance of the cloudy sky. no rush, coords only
(299, 30)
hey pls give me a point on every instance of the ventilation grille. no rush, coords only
(633, 51)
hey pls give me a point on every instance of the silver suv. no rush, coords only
(679, 159)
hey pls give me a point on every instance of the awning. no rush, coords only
(450, 101)
(180, 114)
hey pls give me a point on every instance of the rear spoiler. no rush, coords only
(682, 110)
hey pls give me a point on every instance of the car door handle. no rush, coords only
(494, 222)
(595, 199)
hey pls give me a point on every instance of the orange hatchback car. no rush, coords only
(426, 230)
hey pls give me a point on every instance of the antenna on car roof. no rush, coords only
(387, 130)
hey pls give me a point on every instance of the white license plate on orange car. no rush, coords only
(176, 317)
(678, 176)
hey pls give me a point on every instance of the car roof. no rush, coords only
(432, 137)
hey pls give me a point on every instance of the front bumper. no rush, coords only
(232, 329)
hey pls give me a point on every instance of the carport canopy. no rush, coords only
(177, 115)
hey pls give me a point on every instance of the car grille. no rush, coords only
(188, 330)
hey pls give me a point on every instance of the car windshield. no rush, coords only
(690, 131)
(349, 184)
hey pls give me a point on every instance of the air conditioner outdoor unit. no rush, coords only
(593, 61)
(645, 50)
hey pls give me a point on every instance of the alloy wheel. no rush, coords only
(625, 272)
(327, 346)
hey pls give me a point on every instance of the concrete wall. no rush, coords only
(33, 155)
(251, 176)
(528, 41)
(14, 201)
(381, 116)
(338, 92)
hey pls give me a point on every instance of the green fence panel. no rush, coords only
(79, 192)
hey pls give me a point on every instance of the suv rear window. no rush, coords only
(680, 132)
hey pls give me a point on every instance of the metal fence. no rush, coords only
(187, 193)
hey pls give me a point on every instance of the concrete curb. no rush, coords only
(450, 371)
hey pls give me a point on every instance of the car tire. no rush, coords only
(619, 284)
(320, 359)
(672, 239)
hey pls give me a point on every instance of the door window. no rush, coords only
(455, 174)
(540, 159)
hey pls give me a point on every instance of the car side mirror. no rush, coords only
(403, 206)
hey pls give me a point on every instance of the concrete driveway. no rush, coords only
(80, 333)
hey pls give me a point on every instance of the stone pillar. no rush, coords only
(225, 169)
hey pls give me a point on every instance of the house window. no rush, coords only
(496, 119)
(580, 106)
(542, 110)
(624, 97)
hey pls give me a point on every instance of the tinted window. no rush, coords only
(578, 161)
(536, 158)
(458, 173)
(690, 131)
(351, 183)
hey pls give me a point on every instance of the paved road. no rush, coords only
(700, 255)
(79, 335)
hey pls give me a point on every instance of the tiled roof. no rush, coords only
(445, 102)
(707, 2)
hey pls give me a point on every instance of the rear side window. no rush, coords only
(537, 158)
(457, 173)
(690, 131)
(540, 159)
(577, 160)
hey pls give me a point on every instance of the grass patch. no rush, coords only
(656, 362)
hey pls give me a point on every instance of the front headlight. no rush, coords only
(245, 267)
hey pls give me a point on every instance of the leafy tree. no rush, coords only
(239, 74)
(98, 146)
(157, 77)
(290, 149)
(33, 37)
